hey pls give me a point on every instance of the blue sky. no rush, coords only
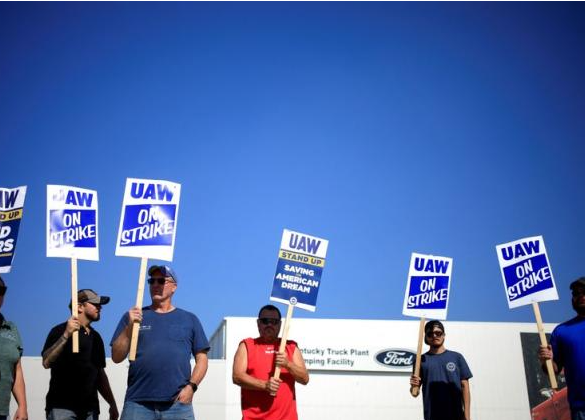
(386, 128)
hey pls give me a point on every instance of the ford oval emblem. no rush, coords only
(396, 358)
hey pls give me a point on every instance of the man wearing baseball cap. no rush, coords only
(161, 383)
(444, 378)
(76, 378)
(567, 351)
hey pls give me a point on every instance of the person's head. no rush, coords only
(3, 289)
(89, 304)
(162, 282)
(434, 333)
(578, 295)
(268, 322)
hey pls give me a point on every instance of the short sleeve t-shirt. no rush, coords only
(163, 359)
(568, 343)
(74, 376)
(441, 385)
(10, 352)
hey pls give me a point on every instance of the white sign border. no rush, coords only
(541, 296)
(440, 314)
(90, 254)
(159, 252)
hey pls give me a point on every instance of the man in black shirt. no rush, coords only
(76, 378)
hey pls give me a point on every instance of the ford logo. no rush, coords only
(396, 358)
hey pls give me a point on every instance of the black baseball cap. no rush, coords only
(579, 282)
(432, 324)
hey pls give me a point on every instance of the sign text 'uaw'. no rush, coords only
(526, 272)
(427, 289)
(298, 272)
(148, 224)
(11, 209)
(72, 222)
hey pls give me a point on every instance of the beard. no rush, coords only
(579, 308)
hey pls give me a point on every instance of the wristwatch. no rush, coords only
(193, 386)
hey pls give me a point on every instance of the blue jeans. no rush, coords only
(64, 414)
(157, 411)
(577, 414)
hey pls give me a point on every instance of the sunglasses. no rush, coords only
(158, 280)
(3, 290)
(435, 334)
(269, 321)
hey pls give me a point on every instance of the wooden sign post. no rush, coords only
(414, 391)
(549, 366)
(139, 299)
(74, 311)
(284, 337)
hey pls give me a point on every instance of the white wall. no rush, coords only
(493, 351)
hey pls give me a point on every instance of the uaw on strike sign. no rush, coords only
(148, 224)
(72, 223)
(11, 207)
(427, 289)
(298, 272)
(526, 272)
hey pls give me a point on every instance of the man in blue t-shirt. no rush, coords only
(567, 351)
(444, 376)
(160, 381)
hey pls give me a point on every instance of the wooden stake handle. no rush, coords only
(139, 298)
(414, 390)
(539, 325)
(75, 335)
(283, 339)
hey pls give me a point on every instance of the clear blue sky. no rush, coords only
(387, 128)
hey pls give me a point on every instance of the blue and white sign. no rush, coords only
(298, 272)
(526, 272)
(11, 207)
(427, 289)
(72, 223)
(148, 223)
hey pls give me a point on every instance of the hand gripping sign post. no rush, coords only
(528, 279)
(72, 232)
(426, 295)
(11, 206)
(298, 275)
(148, 226)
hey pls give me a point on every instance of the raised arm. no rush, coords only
(546, 353)
(121, 344)
(296, 366)
(53, 352)
(242, 378)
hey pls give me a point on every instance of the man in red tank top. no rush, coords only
(263, 396)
